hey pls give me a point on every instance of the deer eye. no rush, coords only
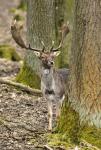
(41, 57)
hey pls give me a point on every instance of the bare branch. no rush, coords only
(25, 88)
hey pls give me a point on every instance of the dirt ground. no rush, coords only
(23, 117)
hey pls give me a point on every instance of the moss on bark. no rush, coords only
(68, 123)
(28, 77)
(70, 130)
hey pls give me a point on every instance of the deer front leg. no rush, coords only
(50, 115)
(58, 110)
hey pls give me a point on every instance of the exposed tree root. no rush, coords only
(88, 145)
(25, 88)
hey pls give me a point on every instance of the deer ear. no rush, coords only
(37, 53)
(57, 53)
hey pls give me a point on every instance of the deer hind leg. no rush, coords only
(50, 114)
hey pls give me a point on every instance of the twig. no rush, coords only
(47, 147)
(25, 88)
(89, 145)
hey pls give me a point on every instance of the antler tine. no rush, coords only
(43, 46)
(64, 32)
(34, 49)
(52, 46)
(16, 34)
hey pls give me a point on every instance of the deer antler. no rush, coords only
(16, 34)
(64, 32)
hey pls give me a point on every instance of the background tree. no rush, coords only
(85, 75)
(44, 19)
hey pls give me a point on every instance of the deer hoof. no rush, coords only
(50, 130)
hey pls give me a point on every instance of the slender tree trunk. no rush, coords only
(63, 14)
(44, 18)
(40, 27)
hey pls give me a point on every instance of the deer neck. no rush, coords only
(47, 77)
(47, 72)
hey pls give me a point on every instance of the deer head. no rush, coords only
(46, 57)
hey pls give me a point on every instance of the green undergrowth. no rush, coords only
(8, 52)
(21, 7)
(59, 140)
(17, 12)
(28, 77)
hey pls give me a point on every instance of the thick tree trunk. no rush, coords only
(85, 76)
(85, 84)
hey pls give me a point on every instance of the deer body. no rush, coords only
(53, 81)
(53, 87)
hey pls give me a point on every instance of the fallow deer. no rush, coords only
(53, 81)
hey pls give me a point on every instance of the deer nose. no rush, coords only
(52, 62)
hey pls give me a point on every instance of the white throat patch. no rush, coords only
(46, 71)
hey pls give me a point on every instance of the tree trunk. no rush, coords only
(85, 74)
(63, 14)
(85, 84)
(40, 27)
(44, 19)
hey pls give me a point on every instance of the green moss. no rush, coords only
(68, 124)
(58, 140)
(18, 17)
(28, 77)
(8, 52)
(12, 10)
(92, 135)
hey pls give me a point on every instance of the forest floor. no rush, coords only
(23, 117)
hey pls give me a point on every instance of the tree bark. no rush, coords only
(85, 84)
(81, 116)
